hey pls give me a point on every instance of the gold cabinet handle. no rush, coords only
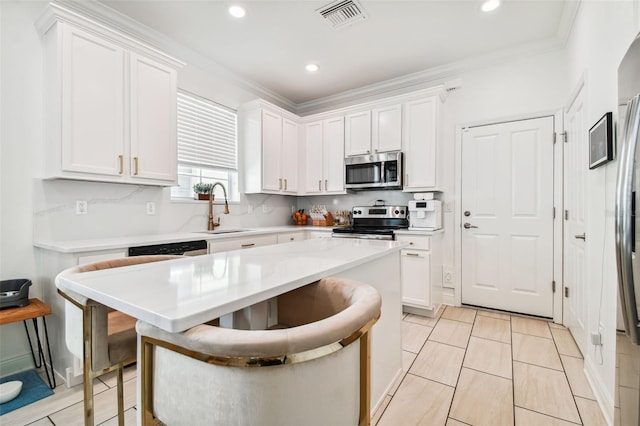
(279, 184)
(320, 185)
(413, 254)
(326, 185)
(135, 166)
(121, 163)
(248, 245)
(285, 184)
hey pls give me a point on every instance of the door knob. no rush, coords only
(468, 225)
(582, 237)
(467, 213)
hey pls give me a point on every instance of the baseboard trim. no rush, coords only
(604, 398)
(21, 363)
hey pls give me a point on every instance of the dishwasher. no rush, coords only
(185, 248)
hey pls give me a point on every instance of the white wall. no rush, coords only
(600, 36)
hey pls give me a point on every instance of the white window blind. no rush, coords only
(206, 133)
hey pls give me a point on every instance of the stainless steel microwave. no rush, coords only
(376, 171)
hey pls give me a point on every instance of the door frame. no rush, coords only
(558, 162)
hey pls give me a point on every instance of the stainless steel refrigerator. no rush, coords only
(628, 240)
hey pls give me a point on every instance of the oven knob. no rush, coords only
(402, 211)
(397, 212)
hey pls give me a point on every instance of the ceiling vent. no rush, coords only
(342, 13)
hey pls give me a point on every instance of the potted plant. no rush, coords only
(202, 190)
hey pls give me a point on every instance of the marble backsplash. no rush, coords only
(116, 210)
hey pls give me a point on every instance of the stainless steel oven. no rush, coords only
(374, 222)
(377, 171)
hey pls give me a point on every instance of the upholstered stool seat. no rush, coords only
(313, 369)
(105, 339)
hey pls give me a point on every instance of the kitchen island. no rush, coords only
(179, 294)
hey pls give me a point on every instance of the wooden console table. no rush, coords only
(34, 310)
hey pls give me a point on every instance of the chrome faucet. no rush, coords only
(212, 224)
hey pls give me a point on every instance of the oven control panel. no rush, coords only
(380, 212)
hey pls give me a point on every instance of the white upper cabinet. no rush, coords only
(422, 153)
(93, 137)
(110, 104)
(290, 159)
(374, 131)
(269, 146)
(153, 91)
(357, 138)
(324, 156)
(386, 132)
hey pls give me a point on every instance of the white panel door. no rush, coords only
(289, 156)
(334, 155)
(575, 175)
(357, 139)
(386, 124)
(507, 204)
(271, 151)
(153, 120)
(313, 157)
(92, 104)
(420, 138)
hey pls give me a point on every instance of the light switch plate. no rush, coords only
(81, 207)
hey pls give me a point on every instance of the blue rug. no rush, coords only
(33, 389)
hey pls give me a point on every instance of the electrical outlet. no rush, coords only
(265, 208)
(250, 209)
(448, 206)
(81, 207)
(293, 209)
(151, 208)
(447, 276)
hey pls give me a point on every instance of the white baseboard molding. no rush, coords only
(16, 364)
(604, 398)
(22, 363)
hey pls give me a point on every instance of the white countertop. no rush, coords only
(179, 294)
(97, 244)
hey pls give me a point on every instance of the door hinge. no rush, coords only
(566, 215)
(564, 137)
(566, 292)
(554, 212)
(553, 286)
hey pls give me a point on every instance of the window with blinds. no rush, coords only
(207, 147)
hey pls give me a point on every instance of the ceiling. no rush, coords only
(272, 43)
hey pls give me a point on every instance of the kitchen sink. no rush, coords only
(224, 231)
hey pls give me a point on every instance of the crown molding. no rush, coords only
(427, 78)
(568, 18)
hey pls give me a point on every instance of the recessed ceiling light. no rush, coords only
(237, 11)
(490, 5)
(312, 67)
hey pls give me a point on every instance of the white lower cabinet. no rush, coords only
(219, 246)
(288, 237)
(421, 273)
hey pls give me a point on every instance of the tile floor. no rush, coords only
(466, 367)
(475, 367)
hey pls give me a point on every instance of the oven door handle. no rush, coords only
(362, 236)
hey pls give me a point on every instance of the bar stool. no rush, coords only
(105, 339)
(313, 369)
